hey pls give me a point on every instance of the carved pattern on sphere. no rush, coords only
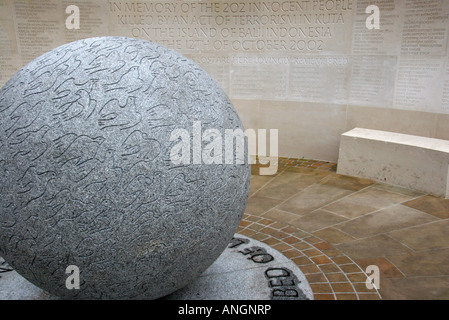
(86, 177)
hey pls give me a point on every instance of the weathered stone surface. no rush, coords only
(87, 178)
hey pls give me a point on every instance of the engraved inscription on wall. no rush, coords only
(39, 27)
(419, 84)
(94, 17)
(386, 40)
(9, 53)
(238, 26)
(445, 100)
(317, 51)
(425, 29)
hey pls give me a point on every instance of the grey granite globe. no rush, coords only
(114, 162)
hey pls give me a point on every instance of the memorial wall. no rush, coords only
(311, 68)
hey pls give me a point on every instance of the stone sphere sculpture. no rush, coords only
(113, 167)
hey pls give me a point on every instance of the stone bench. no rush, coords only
(413, 162)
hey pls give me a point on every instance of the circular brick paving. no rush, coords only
(332, 275)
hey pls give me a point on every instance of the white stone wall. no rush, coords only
(310, 68)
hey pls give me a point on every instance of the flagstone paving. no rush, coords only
(334, 227)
